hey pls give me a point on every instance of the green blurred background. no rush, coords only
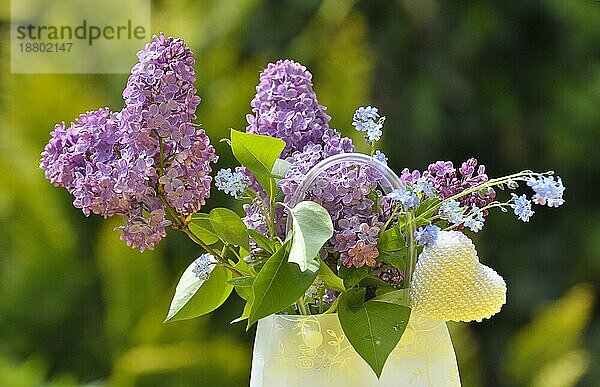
(514, 83)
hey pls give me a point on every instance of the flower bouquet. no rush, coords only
(346, 256)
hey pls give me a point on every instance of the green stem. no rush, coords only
(387, 223)
(411, 252)
(521, 176)
(333, 306)
(320, 294)
(267, 214)
(271, 219)
(302, 307)
(161, 170)
(185, 228)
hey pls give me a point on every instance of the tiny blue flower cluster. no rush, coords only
(232, 183)
(407, 197)
(380, 156)
(522, 207)
(426, 235)
(547, 191)
(203, 265)
(368, 120)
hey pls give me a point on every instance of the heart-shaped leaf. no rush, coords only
(373, 328)
(311, 228)
(194, 297)
(278, 285)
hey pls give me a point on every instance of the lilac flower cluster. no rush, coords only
(150, 153)
(447, 183)
(344, 192)
(286, 107)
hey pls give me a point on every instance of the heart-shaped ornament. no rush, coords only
(449, 283)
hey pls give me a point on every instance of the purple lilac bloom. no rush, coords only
(522, 207)
(141, 232)
(426, 235)
(447, 183)
(547, 191)
(119, 163)
(255, 218)
(362, 254)
(286, 107)
(329, 296)
(84, 159)
(342, 190)
(410, 177)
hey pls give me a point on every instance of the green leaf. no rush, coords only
(399, 297)
(329, 278)
(311, 228)
(425, 206)
(352, 275)
(280, 168)
(258, 153)
(394, 258)
(229, 227)
(242, 266)
(383, 290)
(194, 298)
(245, 312)
(391, 240)
(278, 285)
(243, 286)
(244, 282)
(373, 328)
(203, 229)
(262, 241)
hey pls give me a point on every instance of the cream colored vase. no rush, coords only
(313, 351)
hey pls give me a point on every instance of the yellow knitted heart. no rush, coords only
(449, 282)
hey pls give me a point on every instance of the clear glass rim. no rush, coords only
(389, 176)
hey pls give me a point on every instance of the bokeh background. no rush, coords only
(514, 83)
